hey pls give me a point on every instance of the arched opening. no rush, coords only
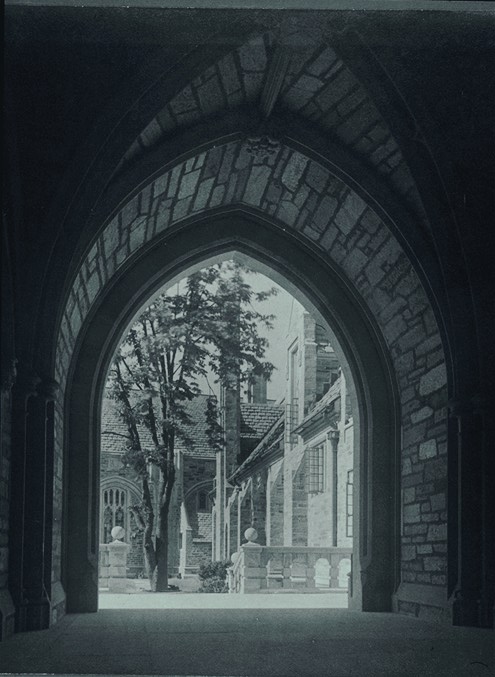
(308, 275)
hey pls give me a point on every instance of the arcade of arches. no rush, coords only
(339, 152)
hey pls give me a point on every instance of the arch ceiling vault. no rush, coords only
(276, 141)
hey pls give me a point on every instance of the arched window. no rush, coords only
(114, 512)
(203, 503)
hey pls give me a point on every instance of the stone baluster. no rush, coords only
(117, 561)
(253, 575)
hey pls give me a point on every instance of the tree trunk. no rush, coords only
(162, 552)
(149, 556)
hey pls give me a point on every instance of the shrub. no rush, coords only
(213, 576)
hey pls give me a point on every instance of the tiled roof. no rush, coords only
(115, 436)
(270, 441)
(257, 419)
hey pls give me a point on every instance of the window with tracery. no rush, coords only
(114, 510)
(203, 502)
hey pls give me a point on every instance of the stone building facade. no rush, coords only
(190, 516)
(190, 512)
(296, 486)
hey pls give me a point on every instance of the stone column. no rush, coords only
(253, 575)
(117, 561)
(333, 438)
(7, 380)
(471, 604)
(22, 395)
(34, 476)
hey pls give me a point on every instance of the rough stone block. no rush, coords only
(421, 415)
(336, 89)
(324, 213)
(350, 213)
(323, 62)
(253, 55)
(436, 469)
(428, 449)
(437, 532)
(409, 495)
(229, 74)
(287, 212)
(203, 193)
(433, 380)
(394, 327)
(361, 120)
(294, 171)
(435, 563)
(184, 101)
(437, 502)
(408, 552)
(181, 208)
(256, 184)
(317, 177)
(188, 184)
(411, 513)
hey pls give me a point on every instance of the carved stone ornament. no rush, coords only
(262, 147)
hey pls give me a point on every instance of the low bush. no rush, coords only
(213, 576)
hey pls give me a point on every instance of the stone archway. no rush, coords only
(291, 212)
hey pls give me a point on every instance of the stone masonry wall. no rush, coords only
(258, 498)
(299, 506)
(320, 519)
(303, 194)
(318, 87)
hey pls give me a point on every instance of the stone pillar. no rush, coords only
(333, 438)
(117, 561)
(23, 393)
(253, 575)
(33, 480)
(470, 598)
(104, 564)
(7, 378)
(226, 459)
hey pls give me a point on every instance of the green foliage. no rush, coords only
(214, 570)
(213, 576)
(206, 325)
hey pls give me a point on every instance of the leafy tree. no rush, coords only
(208, 326)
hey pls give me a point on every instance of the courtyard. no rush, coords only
(248, 642)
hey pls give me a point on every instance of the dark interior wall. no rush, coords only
(74, 80)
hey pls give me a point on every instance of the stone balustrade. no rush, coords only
(256, 568)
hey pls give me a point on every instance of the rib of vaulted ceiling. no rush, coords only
(269, 73)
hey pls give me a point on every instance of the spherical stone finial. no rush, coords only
(234, 557)
(118, 533)
(251, 534)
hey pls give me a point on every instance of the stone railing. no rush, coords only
(257, 568)
(113, 561)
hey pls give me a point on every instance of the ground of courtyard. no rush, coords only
(248, 642)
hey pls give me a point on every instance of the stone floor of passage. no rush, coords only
(249, 642)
